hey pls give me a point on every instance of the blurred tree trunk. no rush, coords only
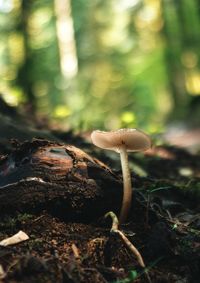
(173, 34)
(66, 39)
(25, 78)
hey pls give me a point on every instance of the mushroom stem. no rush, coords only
(127, 197)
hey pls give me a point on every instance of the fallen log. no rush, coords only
(59, 178)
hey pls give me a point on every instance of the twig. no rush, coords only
(75, 252)
(115, 221)
(131, 247)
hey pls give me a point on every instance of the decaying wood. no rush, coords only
(60, 178)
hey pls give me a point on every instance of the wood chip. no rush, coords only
(15, 239)
(2, 272)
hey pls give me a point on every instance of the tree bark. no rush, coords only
(61, 179)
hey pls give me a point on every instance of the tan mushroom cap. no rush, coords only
(133, 139)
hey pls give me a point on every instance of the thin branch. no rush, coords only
(130, 246)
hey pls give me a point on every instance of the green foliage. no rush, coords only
(138, 61)
(131, 277)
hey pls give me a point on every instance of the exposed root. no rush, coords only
(130, 246)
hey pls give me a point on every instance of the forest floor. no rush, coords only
(164, 224)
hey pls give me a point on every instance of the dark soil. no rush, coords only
(59, 194)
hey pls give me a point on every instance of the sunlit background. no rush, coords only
(88, 64)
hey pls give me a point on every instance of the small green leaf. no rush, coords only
(133, 275)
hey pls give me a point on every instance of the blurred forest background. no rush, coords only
(85, 64)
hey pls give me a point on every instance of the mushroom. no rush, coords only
(123, 141)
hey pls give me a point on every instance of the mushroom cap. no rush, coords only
(132, 139)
